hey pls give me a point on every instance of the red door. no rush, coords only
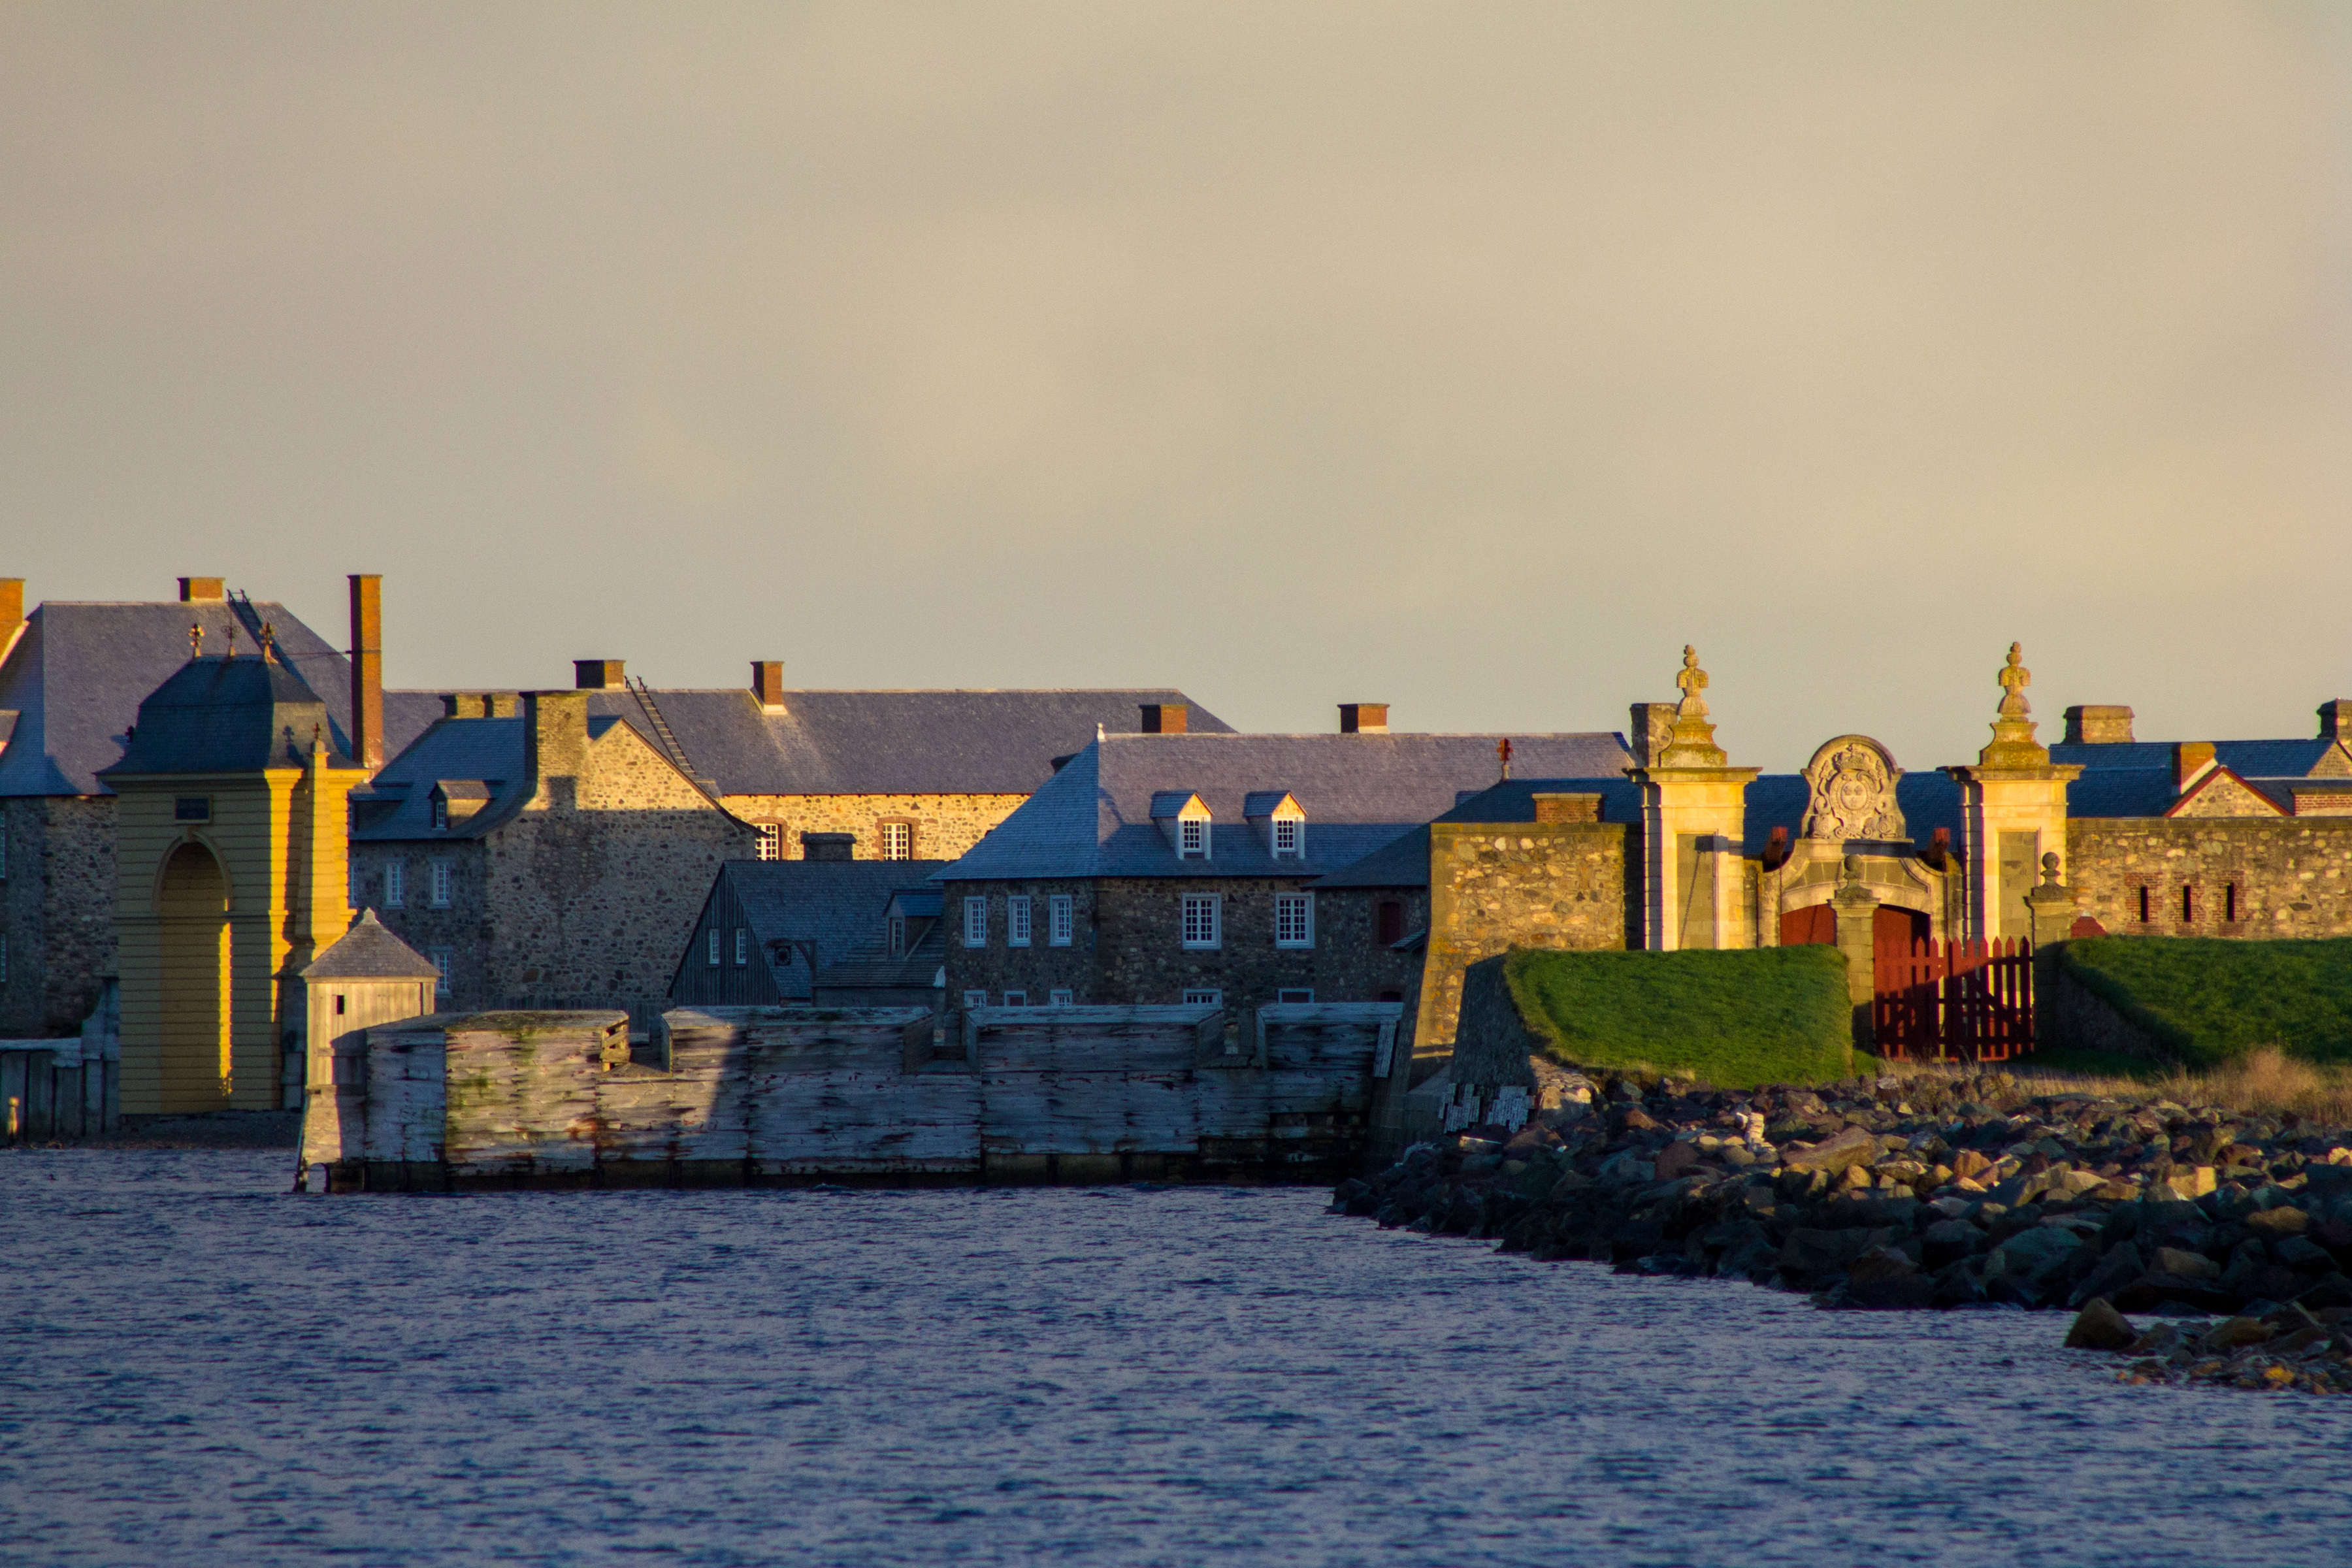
(1806, 927)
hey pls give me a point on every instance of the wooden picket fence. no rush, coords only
(1965, 1000)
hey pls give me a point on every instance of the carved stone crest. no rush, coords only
(1852, 792)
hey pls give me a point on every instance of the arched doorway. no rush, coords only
(192, 906)
(1891, 926)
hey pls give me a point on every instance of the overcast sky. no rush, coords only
(1468, 357)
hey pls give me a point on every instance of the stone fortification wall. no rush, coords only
(461, 928)
(1497, 886)
(2291, 876)
(945, 826)
(56, 908)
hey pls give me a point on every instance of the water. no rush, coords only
(197, 1369)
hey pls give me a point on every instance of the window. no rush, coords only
(1289, 839)
(3, 855)
(192, 808)
(1388, 928)
(1200, 922)
(897, 936)
(1059, 999)
(1391, 994)
(898, 840)
(339, 1005)
(742, 948)
(2143, 907)
(1293, 919)
(441, 814)
(445, 878)
(1295, 994)
(1192, 838)
(1016, 998)
(714, 947)
(771, 841)
(975, 998)
(975, 922)
(2188, 905)
(1203, 997)
(395, 883)
(2230, 901)
(1016, 921)
(1059, 924)
(440, 957)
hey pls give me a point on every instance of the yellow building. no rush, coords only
(230, 874)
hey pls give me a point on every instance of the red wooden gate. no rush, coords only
(1972, 1001)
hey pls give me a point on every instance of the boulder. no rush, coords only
(2154, 1289)
(2230, 1334)
(2034, 1254)
(1674, 1160)
(2278, 1224)
(1810, 1251)
(2188, 1182)
(2119, 1266)
(2099, 1327)
(1853, 1146)
(2188, 1265)
(1949, 1240)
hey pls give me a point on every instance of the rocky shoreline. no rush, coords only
(1932, 1192)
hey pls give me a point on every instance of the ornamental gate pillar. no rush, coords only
(1694, 825)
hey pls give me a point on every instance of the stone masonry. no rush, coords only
(2286, 877)
(56, 908)
(944, 826)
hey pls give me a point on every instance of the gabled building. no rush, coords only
(823, 930)
(72, 676)
(1160, 868)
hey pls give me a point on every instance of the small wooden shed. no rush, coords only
(368, 976)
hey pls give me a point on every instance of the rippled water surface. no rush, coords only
(198, 1368)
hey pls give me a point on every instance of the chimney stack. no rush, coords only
(203, 590)
(2189, 759)
(1651, 730)
(555, 736)
(12, 612)
(2092, 725)
(367, 669)
(597, 675)
(1165, 718)
(828, 846)
(1566, 807)
(1363, 718)
(768, 683)
(2334, 716)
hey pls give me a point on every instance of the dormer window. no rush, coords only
(1289, 833)
(1183, 817)
(1192, 838)
(440, 814)
(1280, 823)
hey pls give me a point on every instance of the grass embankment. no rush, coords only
(1733, 1019)
(2208, 1002)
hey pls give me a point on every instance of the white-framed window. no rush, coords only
(742, 948)
(1016, 919)
(1293, 919)
(771, 840)
(444, 882)
(1203, 996)
(975, 921)
(1060, 998)
(440, 814)
(975, 998)
(898, 840)
(440, 957)
(714, 947)
(395, 883)
(1016, 998)
(1289, 839)
(1060, 923)
(1203, 928)
(1295, 994)
(1192, 838)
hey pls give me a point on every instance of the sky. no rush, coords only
(1471, 358)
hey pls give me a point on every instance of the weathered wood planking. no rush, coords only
(832, 1092)
(52, 1091)
(1319, 1067)
(1089, 1081)
(521, 1090)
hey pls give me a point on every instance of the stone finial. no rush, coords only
(269, 638)
(196, 640)
(2013, 744)
(2049, 870)
(1692, 744)
(228, 632)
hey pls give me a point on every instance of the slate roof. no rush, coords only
(2134, 778)
(78, 672)
(1358, 792)
(397, 803)
(368, 952)
(978, 741)
(836, 904)
(223, 716)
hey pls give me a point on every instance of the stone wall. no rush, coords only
(945, 826)
(1497, 886)
(2291, 876)
(462, 927)
(56, 908)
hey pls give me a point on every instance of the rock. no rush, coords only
(1853, 1146)
(1969, 1164)
(2278, 1224)
(1810, 1251)
(2190, 1183)
(2232, 1332)
(2161, 1339)
(2187, 1264)
(2303, 1255)
(1947, 1241)
(2099, 1327)
(2033, 1254)
(1674, 1160)
(2119, 1266)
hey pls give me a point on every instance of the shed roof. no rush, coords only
(368, 952)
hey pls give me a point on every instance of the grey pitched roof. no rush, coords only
(225, 715)
(1358, 792)
(368, 952)
(79, 671)
(398, 802)
(887, 742)
(836, 904)
(2247, 759)
(871, 967)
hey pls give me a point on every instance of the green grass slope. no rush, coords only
(2209, 1000)
(1735, 1019)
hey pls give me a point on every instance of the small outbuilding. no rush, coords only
(367, 976)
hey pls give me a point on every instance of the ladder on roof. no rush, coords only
(666, 738)
(241, 605)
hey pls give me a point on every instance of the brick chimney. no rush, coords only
(828, 846)
(597, 674)
(768, 683)
(1165, 718)
(12, 610)
(1363, 718)
(2190, 758)
(555, 736)
(367, 670)
(203, 590)
(1566, 807)
(2091, 725)
(2334, 716)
